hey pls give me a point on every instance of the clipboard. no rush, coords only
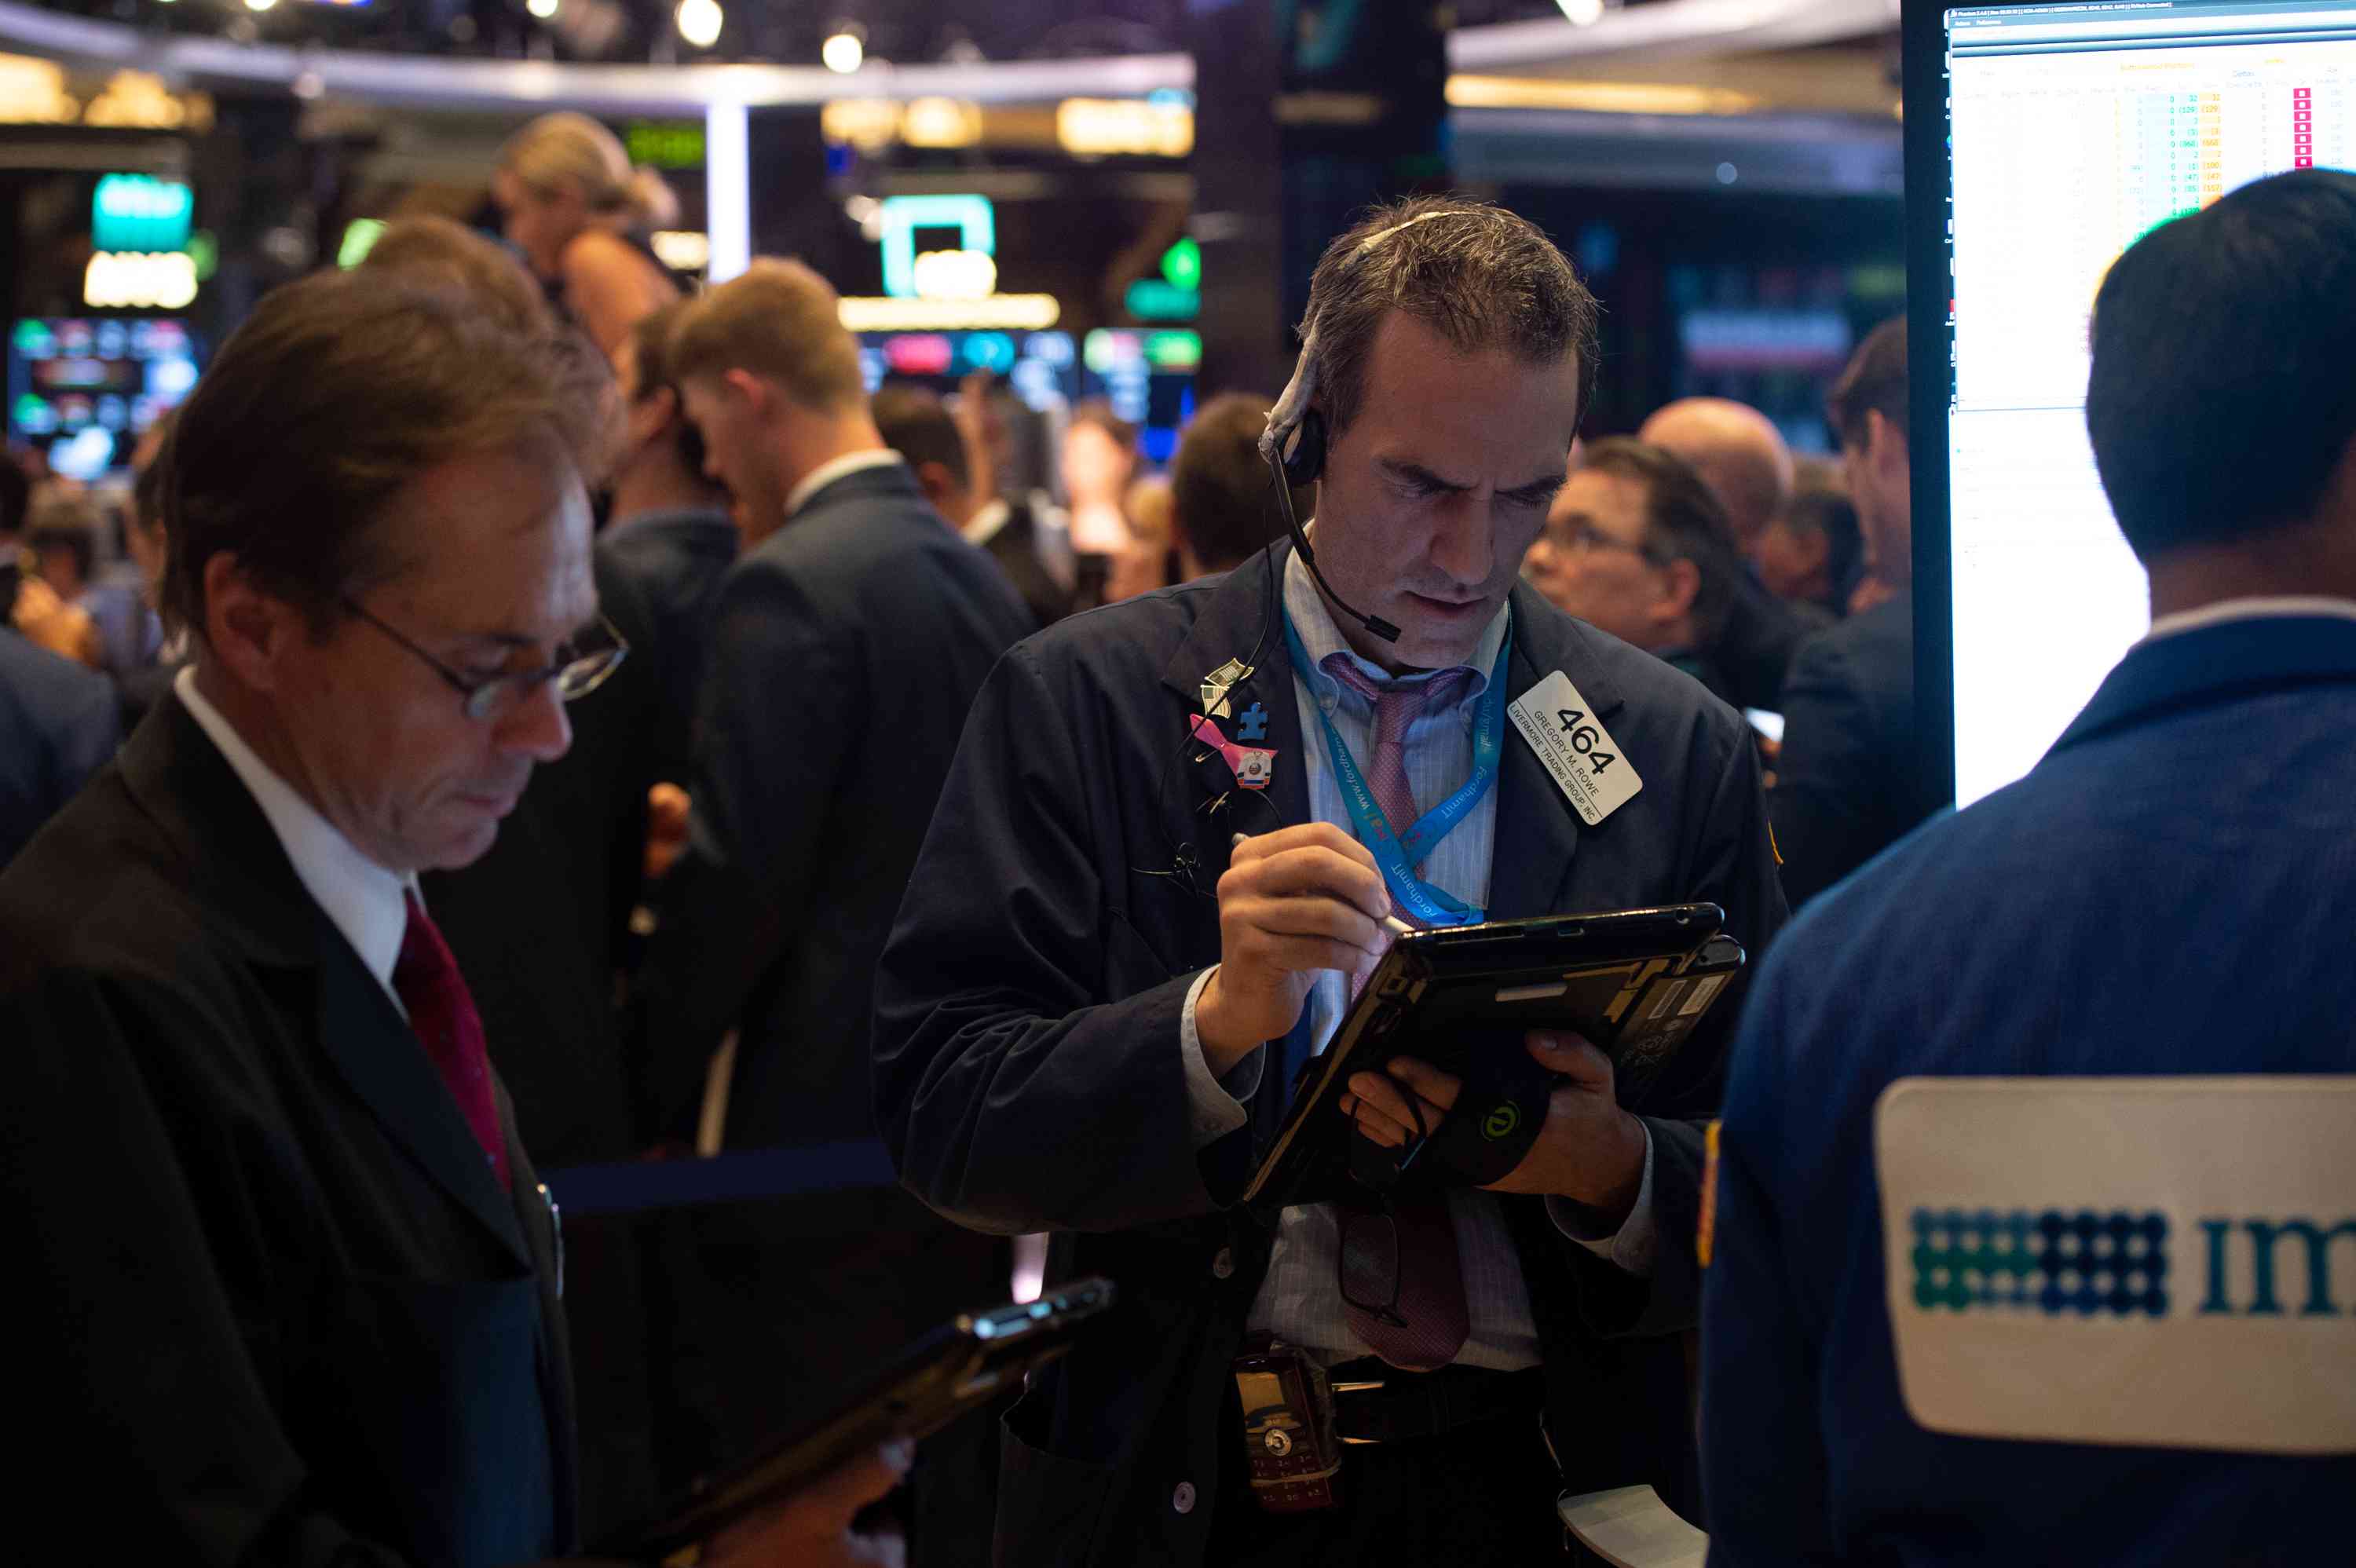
(961, 1365)
(1635, 982)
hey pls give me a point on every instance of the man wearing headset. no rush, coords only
(1146, 899)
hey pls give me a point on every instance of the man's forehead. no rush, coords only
(1418, 381)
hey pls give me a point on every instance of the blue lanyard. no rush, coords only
(1398, 854)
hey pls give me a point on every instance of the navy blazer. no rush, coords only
(1850, 781)
(58, 726)
(2169, 893)
(1027, 1064)
(845, 651)
(271, 1307)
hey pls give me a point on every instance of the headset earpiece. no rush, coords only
(1304, 450)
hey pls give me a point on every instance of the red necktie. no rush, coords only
(1435, 1320)
(426, 979)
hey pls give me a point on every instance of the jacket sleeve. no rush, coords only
(1012, 1097)
(780, 695)
(1829, 819)
(1763, 1461)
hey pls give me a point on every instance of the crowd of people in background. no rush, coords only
(674, 943)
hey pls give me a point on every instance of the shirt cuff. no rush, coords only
(1215, 1105)
(1631, 1248)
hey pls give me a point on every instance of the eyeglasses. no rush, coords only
(583, 663)
(1581, 535)
(1366, 1266)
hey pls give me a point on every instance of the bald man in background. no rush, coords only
(1741, 455)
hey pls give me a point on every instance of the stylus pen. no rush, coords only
(1389, 922)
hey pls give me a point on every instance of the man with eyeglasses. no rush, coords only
(1637, 545)
(287, 1288)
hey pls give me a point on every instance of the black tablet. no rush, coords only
(1635, 982)
(950, 1371)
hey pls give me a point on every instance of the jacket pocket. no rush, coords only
(1049, 1508)
(430, 1397)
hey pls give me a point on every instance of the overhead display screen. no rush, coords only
(2072, 131)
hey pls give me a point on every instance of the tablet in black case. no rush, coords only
(1635, 982)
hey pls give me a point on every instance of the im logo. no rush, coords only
(2047, 1260)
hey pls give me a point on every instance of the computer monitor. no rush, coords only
(2042, 140)
(85, 389)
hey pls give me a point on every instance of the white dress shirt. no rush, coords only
(364, 900)
(2250, 609)
(827, 472)
(1299, 1303)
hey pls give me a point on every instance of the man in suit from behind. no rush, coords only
(672, 532)
(2029, 1119)
(1095, 1002)
(295, 1287)
(1221, 514)
(1848, 782)
(846, 649)
(58, 726)
(916, 423)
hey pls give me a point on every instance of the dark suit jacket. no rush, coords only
(1755, 649)
(676, 560)
(1015, 548)
(1850, 781)
(538, 922)
(2165, 894)
(273, 1306)
(845, 652)
(58, 726)
(1028, 1074)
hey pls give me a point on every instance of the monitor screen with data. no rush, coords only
(2071, 129)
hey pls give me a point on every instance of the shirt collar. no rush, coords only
(827, 472)
(2249, 609)
(365, 901)
(1313, 623)
(984, 525)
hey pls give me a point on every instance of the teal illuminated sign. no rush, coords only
(140, 213)
(1176, 294)
(971, 216)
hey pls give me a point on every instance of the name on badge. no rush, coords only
(1586, 764)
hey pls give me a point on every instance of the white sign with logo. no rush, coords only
(2160, 1262)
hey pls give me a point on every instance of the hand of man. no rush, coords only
(813, 1527)
(1589, 1151)
(1293, 902)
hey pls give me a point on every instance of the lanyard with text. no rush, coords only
(1398, 854)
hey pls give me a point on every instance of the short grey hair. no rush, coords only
(1480, 276)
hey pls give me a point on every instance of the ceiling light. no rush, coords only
(699, 22)
(842, 53)
(543, 9)
(259, 4)
(1582, 13)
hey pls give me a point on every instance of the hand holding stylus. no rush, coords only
(1293, 903)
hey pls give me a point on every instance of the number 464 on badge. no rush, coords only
(1587, 765)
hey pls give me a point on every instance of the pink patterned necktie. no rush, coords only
(442, 1010)
(1430, 1276)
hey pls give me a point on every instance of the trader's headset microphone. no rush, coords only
(1293, 446)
